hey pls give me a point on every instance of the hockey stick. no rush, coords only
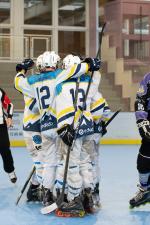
(54, 206)
(111, 118)
(25, 185)
(59, 201)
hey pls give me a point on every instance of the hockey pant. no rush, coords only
(74, 179)
(49, 153)
(8, 163)
(86, 167)
(91, 148)
(34, 146)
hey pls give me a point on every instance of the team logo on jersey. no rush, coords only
(141, 90)
(86, 127)
(48, 122)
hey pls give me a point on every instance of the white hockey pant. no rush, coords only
(92, 147)
(49, 159)
(86, 168)
(36, 155)
(74, 179)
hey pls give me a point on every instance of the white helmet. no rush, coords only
(39, 62)
(50, 59)
(70, 60)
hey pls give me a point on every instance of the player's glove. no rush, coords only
(144, 129)
(103, 128)
(94, 63)
(27, 64)
(100, 128)
(67, 133)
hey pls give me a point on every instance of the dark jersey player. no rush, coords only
(142, 113)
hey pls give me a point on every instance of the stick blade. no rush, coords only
(49, 209)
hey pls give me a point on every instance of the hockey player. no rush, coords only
(5, 123)
(101, 113)
(42, 87)
(142, 113)
(32, 137)
(68, 114)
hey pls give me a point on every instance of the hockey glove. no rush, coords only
(94, 63)
(144, 129)
(103, 128)
(27, 64)
(66, 133)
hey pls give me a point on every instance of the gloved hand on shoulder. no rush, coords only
(94, 63)
(27, 64)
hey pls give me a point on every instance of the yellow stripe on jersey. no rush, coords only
(31, 116)
(72, 70)
(17, 84)
(52, 110)
(64, 112)
(29, 101)
(97, 103)
(97, 117)
(85, 113)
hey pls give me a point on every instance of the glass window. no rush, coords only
(5, 11)
(71, 42)
(4, 43)
(141, 25)
(36, 42)
(71, 12)
(38, 12)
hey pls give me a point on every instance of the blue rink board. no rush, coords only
(118, 184)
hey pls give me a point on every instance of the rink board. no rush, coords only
(118, 184)
(122, 130)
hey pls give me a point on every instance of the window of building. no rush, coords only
(4, 43)
(38, 12)
(36, 42)
(5, 11)
(71, 41)
(134, 49)
(71, 12)
(141, 25)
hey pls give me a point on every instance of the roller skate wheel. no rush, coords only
(81, 214)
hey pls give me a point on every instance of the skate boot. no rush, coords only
(71, 209)
(12, 177)
(34, 193)
(96, 199)
(88, 201)
(47, 197)
(58, 194)
(142, 197)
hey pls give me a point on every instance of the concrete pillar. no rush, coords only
(93, 25)
(17, 32)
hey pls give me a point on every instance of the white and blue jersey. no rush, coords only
(42, 88)
(67, 112)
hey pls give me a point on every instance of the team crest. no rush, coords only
(141, 90)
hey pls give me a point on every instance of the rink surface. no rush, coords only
(118, 184)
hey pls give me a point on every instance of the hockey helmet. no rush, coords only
(50, 59)
(39, 62)
(70, 60)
